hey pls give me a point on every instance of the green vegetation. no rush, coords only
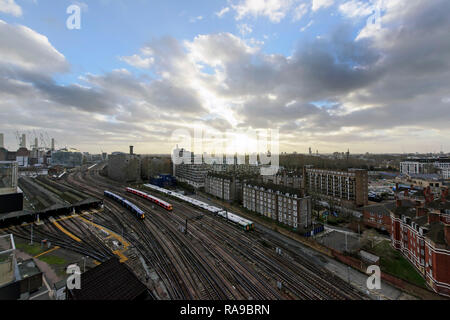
(32, 250)
(35, 249)
(394, 263)
(53, 260)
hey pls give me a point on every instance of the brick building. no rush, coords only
(347, 188)
(378, 216)
(420, 230)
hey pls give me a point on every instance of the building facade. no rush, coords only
(192, 174)
(227, 187)
(420, 166)
(286, 208)
(67, 158)
(421, 232)
(124, 167)
(286, 180)
(349, 189)
(378, 216)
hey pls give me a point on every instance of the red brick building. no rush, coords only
(421, 231)
(378, 216)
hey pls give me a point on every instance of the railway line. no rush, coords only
(215, 259)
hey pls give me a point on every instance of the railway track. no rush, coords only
(215, 260)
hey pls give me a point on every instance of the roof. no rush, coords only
(436, 233)
(383, 208)
(111, 280)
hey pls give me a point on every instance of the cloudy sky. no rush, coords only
(372, 76)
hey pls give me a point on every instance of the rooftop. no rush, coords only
(111, 280)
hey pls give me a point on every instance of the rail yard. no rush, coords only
(185, 253)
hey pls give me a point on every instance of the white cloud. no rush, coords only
(356, 9)
(195, 19)
(222, 12)
(139, 62)
(307, 26)
(10, 7)
(300, 11)
(275, 10)
(25, 48)
(244, 29)
(318, 4)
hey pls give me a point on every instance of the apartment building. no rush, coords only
(224, 186)
(420, 230)
(284, 179)
(420, 166)
(276, 203)
(192, 174)
(347, 188)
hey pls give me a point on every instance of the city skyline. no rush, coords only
(329, 74)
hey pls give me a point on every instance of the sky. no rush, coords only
(369, 76)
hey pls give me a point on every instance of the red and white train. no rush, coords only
(151, 198)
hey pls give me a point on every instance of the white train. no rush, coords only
(247, 225)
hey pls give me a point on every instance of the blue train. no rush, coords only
(127, 204)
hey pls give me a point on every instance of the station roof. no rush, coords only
(111, 280)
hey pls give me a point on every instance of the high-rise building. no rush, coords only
(348, 188)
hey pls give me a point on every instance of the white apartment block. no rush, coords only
(420, 166)
(288, 209)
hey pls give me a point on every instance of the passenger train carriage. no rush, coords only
(151, 198)
(247, 225)
(127, 204)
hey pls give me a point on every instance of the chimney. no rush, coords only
(433, 217)
(420, 211)
(444, 195)
(447, 233)
(23, 143)
(53, 144)
(131, 150)
(2, 142)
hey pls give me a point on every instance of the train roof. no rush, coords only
(231, 216)
(149, 195)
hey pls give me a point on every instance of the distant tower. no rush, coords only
(2, 142)
(131, 150)
(36, 143)
(310, 151)
(53, 144)
(23, 141)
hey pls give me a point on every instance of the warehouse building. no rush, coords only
(67, 157)
(281, 204)
(124, 167)
(348, 188)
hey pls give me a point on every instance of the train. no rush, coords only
(245, 224)
(127, 204)
(151, 198)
